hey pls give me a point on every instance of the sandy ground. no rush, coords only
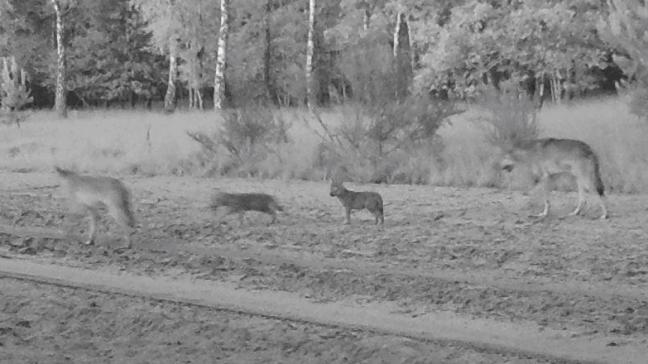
(45, 324)
(474, 252)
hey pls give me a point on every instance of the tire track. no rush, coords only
(520, 339)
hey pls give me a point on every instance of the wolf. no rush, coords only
(242, 202)
(352, 200)
(88, 193)
(549, 157)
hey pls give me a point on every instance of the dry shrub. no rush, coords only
(247, 139)
(508, 119)
(376, 143)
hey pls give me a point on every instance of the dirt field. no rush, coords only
(468, 251)
(44, 324)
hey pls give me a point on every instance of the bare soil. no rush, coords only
(473, 252)
(45, 324)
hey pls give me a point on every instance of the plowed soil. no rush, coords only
(474, 252)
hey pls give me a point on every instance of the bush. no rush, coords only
(509, 119)
(248, 138)
(375, 142)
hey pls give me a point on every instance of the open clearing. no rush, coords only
(473, 253)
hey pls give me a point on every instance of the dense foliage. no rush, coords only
(118, 49)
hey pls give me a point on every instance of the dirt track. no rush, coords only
(45, 324)
(472, 252)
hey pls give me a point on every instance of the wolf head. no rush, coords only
(336, 188)
(510, 156)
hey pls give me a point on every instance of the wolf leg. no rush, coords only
(604, 212)
(241, 218)
(124, 217)
(274, 217)
(94, 218)
(581, 198)
(544, 184)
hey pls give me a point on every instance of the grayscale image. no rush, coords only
(311, 181)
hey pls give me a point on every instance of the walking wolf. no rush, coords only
(242, 202)
(89, 193)
(352, 200)
(549, 157)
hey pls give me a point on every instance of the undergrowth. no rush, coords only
(295, 144)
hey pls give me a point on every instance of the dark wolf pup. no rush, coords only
(357, 201)
(242, 202)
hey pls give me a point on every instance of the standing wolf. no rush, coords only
(352, 200)
(242, 202)
(549, 157)
(88, 193)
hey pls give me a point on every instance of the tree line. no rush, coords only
(219, 53)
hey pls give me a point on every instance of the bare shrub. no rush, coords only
(375, 142)
(508, 118)
(248, 138)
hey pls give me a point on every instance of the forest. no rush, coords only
(129, 52)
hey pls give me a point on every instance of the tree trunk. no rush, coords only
(271, 90)
(310, 49)
(539, 89)
(555, 88)
(366, 15)
(412, 50)
(402, 54)
(221, 58)
(195, 76)
(397, 29)
(60, 99)
(169, 98)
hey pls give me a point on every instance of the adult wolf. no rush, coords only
(549, 157)
(88, 193)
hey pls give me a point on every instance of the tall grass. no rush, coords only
(117, 142)
(617, 136)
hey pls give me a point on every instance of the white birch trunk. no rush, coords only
(366, 16)
(221, 57)
(397, 28)
(60, 98)
(310, 49)
(169, 98)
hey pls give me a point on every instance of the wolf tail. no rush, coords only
(598, 182)
(63, 172)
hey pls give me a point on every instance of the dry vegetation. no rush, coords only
(138, 142)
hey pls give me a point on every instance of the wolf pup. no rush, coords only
(357, 201)
(242, 202)
(88, 193)
(548, 157)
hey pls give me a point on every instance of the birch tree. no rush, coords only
(267, 54)
(170, 96)
(401, 52)
(60, 93)
(310, 50)
(221, 57)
